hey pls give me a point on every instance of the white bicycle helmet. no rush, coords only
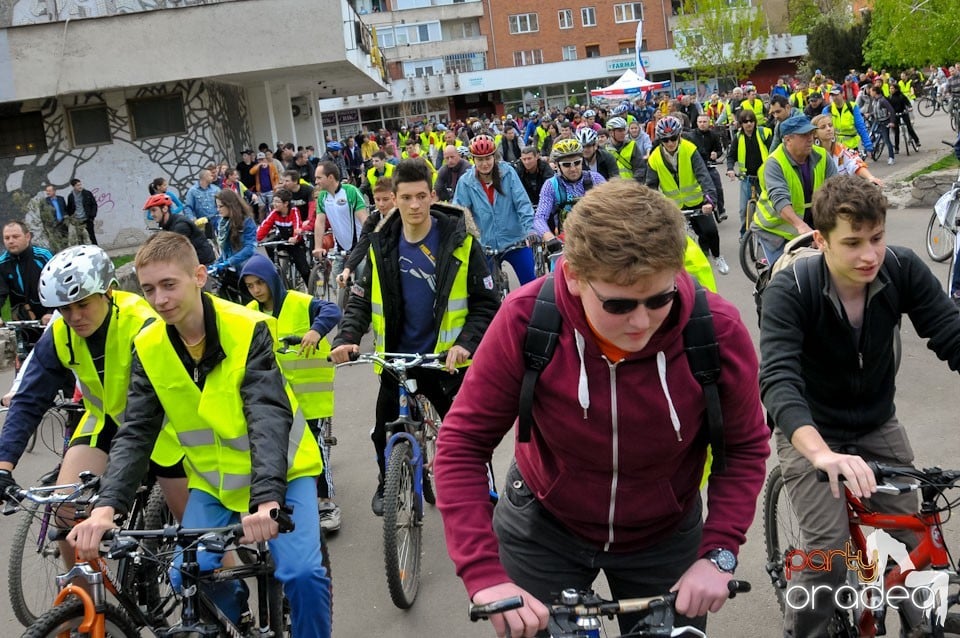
(587, 136)
(615, 123)
(74, 274)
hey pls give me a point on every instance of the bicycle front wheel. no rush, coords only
(781, 529)
(65, 619)
(157, 593)
(750, 255)
(317, 287)
(402, 531)
(925, 106)
(34, 565)
(940, 239)
(428, 445)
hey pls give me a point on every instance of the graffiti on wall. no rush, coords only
(217, 128)
(22, 12)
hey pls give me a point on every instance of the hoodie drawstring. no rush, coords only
(662, 372)
(583, 391)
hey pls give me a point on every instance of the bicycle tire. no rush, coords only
(428, 446)
(315, 284)
(343, 295)
(955, 119)
(926, 105)
(160, 599)
(749, 257)
(402, 532)
(905, 136)
(911, 143)
(940, 239)
(40, 566)
(878, 146)
(950, 266)
(278, 609)
(66, 617)
(781, 532)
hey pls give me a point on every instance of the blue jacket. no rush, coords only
(200, 202)
(509, 220)
(248, 246)
(324, 315)
(177, 204)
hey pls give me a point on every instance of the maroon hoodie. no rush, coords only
(600, 425)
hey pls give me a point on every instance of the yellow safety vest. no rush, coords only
(906, 88)
(766, 216)
(762, 133)
(541, 137)
(100, 400)
(454, 315)
(696, 263)
(402, 139)
(755, 105)
(624, 155)
(310, 378)
(372, 174)
(799, 98)
(687, 193)
(845, 125)
(210, 423)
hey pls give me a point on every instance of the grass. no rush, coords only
(949, 161)
(120, 260)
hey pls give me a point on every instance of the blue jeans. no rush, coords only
(296, 555)
(521, 259)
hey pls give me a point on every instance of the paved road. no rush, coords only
(362, 604)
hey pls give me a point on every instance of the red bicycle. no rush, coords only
(862, 607)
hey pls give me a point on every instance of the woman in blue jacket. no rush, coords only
(236, 238)
(493, 192)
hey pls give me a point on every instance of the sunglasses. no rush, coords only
(619, 306)
(570, 164)
(672, 138)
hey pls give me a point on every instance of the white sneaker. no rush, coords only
(890, 162)
(721, 265)
(329, 517)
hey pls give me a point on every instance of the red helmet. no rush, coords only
(157, 200)
(482, 145)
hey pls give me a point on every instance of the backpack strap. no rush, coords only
(703, 355)
(543, 332)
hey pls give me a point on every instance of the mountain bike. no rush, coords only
(752, 257)
(580, 614)
(81, 603)
(877, 139)
(278, 250)
(942, 227)
(26, 333)
(411, 446)
(908, 142)
(323, 282)
(501, 282)
(865, 608)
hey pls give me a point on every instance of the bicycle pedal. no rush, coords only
(330, 440)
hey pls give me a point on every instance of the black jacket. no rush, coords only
(707, 142)
(482, 302)
(533, 182)
(813, 371)
(447, 179)
(89, 203)
(268, 412)
(180, 224)
(606, 164)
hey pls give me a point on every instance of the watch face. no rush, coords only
(725, 560)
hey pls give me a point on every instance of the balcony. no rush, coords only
(439, 11)
(438, 49)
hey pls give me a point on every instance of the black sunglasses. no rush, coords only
(620, 306)
(672, 138)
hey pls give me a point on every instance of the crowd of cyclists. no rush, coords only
(422, 211)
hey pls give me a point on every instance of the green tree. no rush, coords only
(913, 33)
(803, 15)
(835, 48)
(721, 38)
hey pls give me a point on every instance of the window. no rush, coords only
(588, 15)
(22, 134)
(89, 125)
(570, 52)
(523, 58)
(691, 37)
(465, 62)
(524, 23)
(628, 12)
(593, 50)
(566, 18)
(157, 116)
(385, 38)
(420, 68)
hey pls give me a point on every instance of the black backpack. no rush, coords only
(699, 342)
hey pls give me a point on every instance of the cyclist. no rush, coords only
(848, 162)
(209, 367)
(286, 220)
(426, 289)
(454, 167)
(158, 209)
(676, 168)
(579, 496)
(788, 179)
(596, 159)
(710, 148)
(902, 107)
(20, 267)
(383, 204)
(533, 171)
(848, 122)
(749, 150)
(827, 374)
(339, 206)
(631, 155)
(90, 344)
(492, 191)
(562, 191)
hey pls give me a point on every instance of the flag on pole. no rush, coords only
(641, 70)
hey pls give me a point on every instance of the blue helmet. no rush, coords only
(334, 146)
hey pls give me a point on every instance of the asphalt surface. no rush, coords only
(362, 607)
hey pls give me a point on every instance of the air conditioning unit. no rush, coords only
(301, 109)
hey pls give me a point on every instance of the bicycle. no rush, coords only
(284, 263)
(579, 614)
(81, 603)
(26, 333)
(877, 139)
(866, 615)
(226, 283)
(752, 258)
(541, 258)
(930, 102)
(501, 282)
(408, 482)
(908, 142)
(323, 282)
(942, 227)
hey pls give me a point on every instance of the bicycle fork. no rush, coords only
(86, 584)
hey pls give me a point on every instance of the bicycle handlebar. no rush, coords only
(52, 494)
(929, 476)
(490, 251)
(28, 323)
(397, 361)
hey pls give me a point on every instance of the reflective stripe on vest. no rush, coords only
(310, 378)
(766, 216)
(130, 312)
(624, 156)
(454, 315)
(762, 133)
(845, 125)
(372, 174)
(688, 193)
(211, 423)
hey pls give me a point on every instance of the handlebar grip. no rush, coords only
(291, 340)
(873, 465)
(480, 612)
(354, 356)
(284, 518)
(738, 587)
(56, 534)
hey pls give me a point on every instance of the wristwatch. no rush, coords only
(724, 559)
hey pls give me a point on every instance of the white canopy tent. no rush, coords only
(628, 85)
